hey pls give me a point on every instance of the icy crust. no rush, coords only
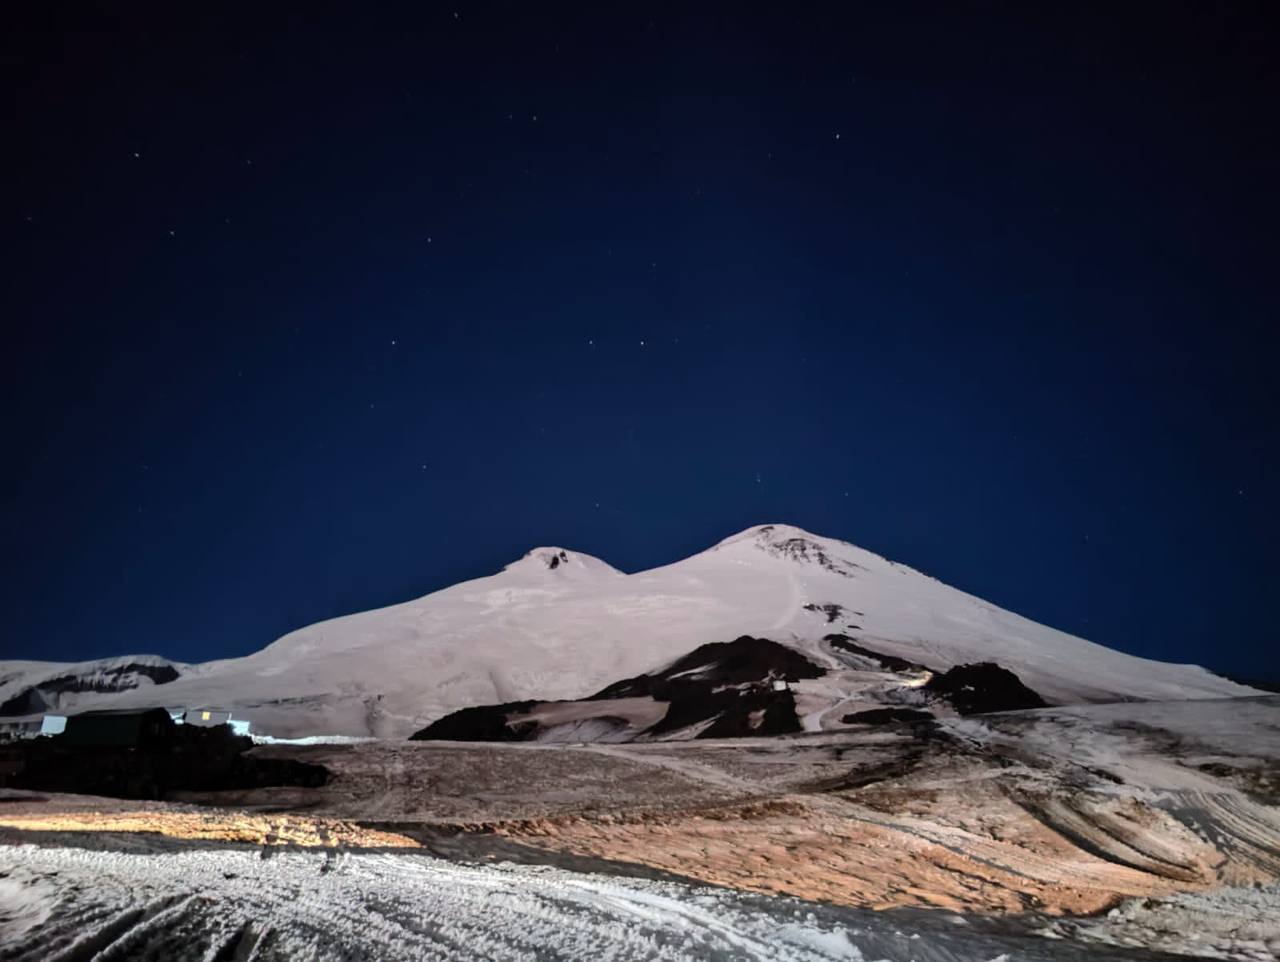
(559, 625)
(228, 903)
(193, 905)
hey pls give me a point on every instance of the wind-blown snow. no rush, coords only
(558, 624)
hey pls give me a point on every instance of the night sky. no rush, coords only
(307, 315)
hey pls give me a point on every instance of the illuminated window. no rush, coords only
(204, 716)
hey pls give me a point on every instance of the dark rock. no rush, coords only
(889, 662)
(29, 701)
(482, 723)
(983, 687)
(757, 710)
(806, 551)
(111, 679)
(731, 682)
(831, 611)
(730, 685)
(719, 663)
(33, 700)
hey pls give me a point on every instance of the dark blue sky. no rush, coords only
(308, 315)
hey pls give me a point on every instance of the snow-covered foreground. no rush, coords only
(1103, 832)
(75, 904)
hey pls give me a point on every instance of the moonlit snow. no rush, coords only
(558, 624)
(70, 904)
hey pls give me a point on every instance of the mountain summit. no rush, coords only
(559, 624)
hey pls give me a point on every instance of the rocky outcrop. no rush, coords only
(742, 661)
(888, 662)
(729, 689)
(483, 723)
(42, 695)
(983, 687)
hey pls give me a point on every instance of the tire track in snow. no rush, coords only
(229, 905)
(694, 771)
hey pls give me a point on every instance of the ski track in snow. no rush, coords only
(251, 905)
(795, 600)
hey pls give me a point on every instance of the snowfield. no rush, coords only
(558, 624)
(71, 904)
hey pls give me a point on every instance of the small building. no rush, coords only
(53, 724)
(207, 717)
(21, 728)
(118, 729)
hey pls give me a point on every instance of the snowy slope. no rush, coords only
(558, 624)
(33, 687)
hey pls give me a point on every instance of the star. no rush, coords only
(393, 342)
(136, 155)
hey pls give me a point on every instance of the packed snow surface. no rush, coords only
(559, 624)
(65, 904)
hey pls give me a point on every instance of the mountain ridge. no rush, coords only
(559, 624)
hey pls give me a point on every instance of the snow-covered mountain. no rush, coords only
(33, 687)
(558, 624)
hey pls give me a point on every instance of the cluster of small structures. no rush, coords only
(52, 723)
(146, 753)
